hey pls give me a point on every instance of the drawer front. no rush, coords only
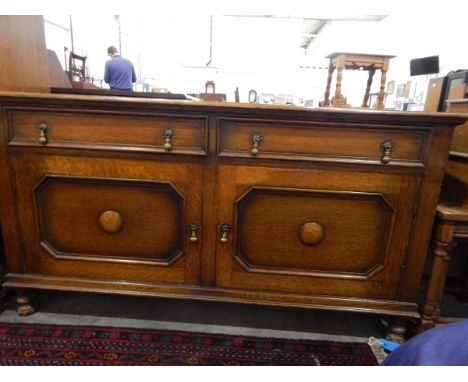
(102, 131)
(107, 219)
(320, 142)
(304, 231)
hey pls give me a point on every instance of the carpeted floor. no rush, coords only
(31, 344)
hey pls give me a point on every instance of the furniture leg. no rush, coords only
(380, 100)
(397, 329)
(2, 291)
(25, 303)
(338, 97)
(369, 84)
(444, 244)
(326, 98)
(2, 300)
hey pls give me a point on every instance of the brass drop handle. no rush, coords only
(194, 229)
(256, 140)
(43, 130)
(168, 135)
(225, 230)
(387, 147)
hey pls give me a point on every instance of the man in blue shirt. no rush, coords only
(119, 72)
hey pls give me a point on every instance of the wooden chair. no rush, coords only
(76, 67)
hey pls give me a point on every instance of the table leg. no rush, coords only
(369, 84)
(444, 245)
(380, 102)
(326, 98)
(339, 100)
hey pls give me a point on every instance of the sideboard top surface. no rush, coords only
(285, 111)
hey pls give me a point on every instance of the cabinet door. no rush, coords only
(109, 218)
(324, 232)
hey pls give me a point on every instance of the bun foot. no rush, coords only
(25, 306)
(397, 330)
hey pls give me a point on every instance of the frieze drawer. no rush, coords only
(171, 134)
(269, 139)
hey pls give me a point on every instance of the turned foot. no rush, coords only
(2, 301)
(397, 330)
(25, 305)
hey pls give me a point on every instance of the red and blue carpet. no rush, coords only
(24, 344)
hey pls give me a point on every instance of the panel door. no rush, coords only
(324, 232)
(109, 218)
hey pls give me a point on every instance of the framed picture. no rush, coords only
(398, 105)
(400, 90)
(373, 98)
(391, 87)
(407, 89)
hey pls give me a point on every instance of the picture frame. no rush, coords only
(373, 98)
(400, 90)
(407, 89)
(391, 87)
(398, 105)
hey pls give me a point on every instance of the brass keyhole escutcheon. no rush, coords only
(43, 130)
(168, 135)
(256, 140)
(111, 221)
(387, 147)
(311, 233)
(225, 230)
(194, 229)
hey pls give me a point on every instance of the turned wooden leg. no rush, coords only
(2, 300)
(397, 329)
(326, 98)
(380, 100)
(444, 244)
(338, 100)
(369, 84)
(25, 304)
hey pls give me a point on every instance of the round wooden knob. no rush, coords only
(311, 233)
(111, 221)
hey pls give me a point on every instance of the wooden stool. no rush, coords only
(452, 225)
(356, 61)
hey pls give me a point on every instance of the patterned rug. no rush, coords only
(25, 344)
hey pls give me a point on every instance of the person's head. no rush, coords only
(112, 51)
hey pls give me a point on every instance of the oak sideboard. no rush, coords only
(276, 205)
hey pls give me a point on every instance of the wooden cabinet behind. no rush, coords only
(272, 205)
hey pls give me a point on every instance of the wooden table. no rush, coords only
(368, 62)
(452, 225)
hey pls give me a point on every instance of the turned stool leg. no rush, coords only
(380, 100)
(326, 98)
(25, 303)
(444, 244)
(338, 101)
(369, 84)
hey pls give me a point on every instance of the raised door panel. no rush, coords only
(108, 219)
(314, 231)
